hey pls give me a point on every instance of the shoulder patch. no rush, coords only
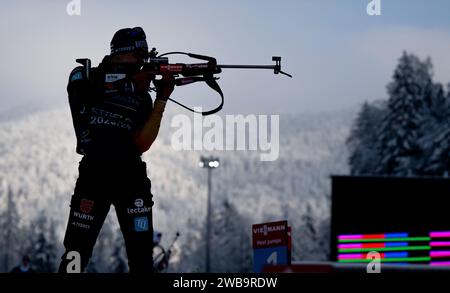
(76, 74)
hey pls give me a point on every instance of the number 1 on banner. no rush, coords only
(272, 259)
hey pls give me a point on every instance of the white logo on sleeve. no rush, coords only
(139, 202)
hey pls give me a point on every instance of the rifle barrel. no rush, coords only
(247, 66)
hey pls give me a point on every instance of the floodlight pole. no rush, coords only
(208, 224)
(208, 163)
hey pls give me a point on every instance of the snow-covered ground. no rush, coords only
(38, 164)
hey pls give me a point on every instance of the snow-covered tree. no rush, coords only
(364, 157)
(313, 233)
(411, 135)
(101, 260)
(43, 245)
(231, 240)
(10, 232)
(399, 131)
(435, 136)
(119, 258)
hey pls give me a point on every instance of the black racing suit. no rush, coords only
(106, 111)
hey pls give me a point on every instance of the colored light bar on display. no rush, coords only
(439, 243)
(440, 263)
(399, 259)
(382, 255)
(370, 236)
(372, 245)
(435, 254)
(422, 247)
(400, 248)
(385, 239)
(444, 234)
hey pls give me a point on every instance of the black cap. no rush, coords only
(129, 40)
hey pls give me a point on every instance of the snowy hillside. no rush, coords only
(38, 164)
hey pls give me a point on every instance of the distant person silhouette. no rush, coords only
(24, 267)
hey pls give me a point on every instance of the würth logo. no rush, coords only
(86, 205)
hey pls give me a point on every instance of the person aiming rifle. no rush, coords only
(115, 122)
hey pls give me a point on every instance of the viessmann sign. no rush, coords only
(270, 244)
(270, 234)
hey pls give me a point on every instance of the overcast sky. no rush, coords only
(339, 55)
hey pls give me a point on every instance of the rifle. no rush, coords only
(194, 72)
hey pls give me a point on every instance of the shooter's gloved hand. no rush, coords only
(164, 87)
